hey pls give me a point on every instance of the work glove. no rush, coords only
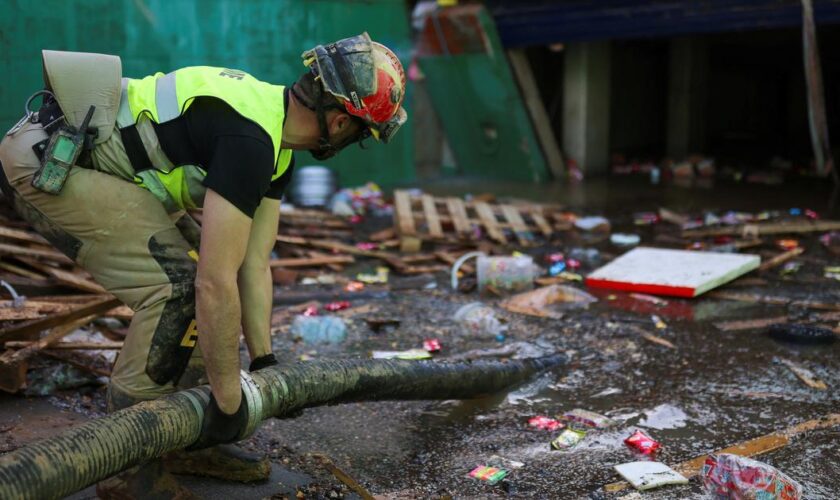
(262, 362)
(220, 428)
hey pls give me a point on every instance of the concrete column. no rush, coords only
(687, 82)
(586, 105)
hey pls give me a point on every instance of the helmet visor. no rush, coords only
(385, 131)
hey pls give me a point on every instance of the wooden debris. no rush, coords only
(768, 299)
(343, 477)
(750, 448)
(754, 230)
(781, 259)
(805, 375)
(40, 253)
(100, 304)
(749, 324)
(108, 346)
(491, 225)
(312, 261)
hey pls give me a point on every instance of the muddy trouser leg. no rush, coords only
(122, 235)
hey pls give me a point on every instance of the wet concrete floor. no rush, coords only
(714, 389)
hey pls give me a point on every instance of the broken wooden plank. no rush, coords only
(458, 213)
(805, 375)
(753, 230)
(541, 223)
(68, 278)
(523, 235)
(312, 261)
(343, 477)
(21, 235)
(97, 306)
(432, 217)
(26, 273)
(781, 259)
(13, 364)
(41, 253)
(749, 324)
(755, 298)
(403, 213)
(488, 220)
(84, 346)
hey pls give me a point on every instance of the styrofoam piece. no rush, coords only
(680, 273)
(649, 475)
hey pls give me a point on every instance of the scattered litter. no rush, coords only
(549, 301)
(310, 311)
(642, 443)
(480, 320)
(319, 329)
(649, 475)
(805, 375)
(832, 272)
(366, 245)
(505, 274)
(658, 323)
(831, 241)
(801, 334)
(645, 218)
(354, 286)
(568, 439)
(790, 268)
(407, 354)
(381, 276)
(592, 223)
(544, 423)
(787, 244)
(625, 239)
(504, 463)
(588, 256)
(380, 324)
(431, 345)
(731, 476)
(681, 273)
(588, 418)
(649, 298)
(17, 300)
(337, 306)
(664, 416)
(490, 475)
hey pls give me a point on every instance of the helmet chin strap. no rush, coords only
(326, 149)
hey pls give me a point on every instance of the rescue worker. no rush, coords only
(155, 147)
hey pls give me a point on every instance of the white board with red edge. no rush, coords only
(679, 273)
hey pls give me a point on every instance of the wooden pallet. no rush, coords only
(451, 219)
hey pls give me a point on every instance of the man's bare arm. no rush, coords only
(255, 285)
(224, 237)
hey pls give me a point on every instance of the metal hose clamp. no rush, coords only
(252, 398)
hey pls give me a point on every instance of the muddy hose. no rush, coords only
(59, 466)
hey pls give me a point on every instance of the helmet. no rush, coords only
(366, 77)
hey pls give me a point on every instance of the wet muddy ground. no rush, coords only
(714, 389)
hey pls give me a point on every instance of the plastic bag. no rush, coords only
(735, 477)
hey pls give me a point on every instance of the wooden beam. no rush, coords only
(458, 213)
(432, 217)
(312, 261)
(97, 306)
(521, 231)
(753, 230)
(536, 110)
(485, 214)
(42, 253)
(403, 214)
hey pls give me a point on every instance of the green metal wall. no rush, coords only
(482, 112)
(262, 37)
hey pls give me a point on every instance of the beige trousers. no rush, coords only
(122, 235)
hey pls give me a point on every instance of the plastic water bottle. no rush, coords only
(319, 329)
(481, 321)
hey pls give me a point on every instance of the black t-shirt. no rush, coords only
(236, 153)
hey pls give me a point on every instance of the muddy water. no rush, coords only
(713, 390)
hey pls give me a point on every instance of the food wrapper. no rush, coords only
(490, 475)
(588, 418)
(568, 439)
(545, 423)
(310, 311)
(431, 345)
(337, 306)
(728, 476)
(642, 443)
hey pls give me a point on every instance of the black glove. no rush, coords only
(262, 362)
(220, 428)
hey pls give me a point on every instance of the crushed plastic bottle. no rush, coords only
(480, 320)
(728, 476)
(319, 329)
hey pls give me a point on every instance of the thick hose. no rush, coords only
(59, 466)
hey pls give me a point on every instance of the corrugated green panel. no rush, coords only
(482, 113)
(262, 37)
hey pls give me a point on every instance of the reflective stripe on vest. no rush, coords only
(163, 97)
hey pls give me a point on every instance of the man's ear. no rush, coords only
(339, 124)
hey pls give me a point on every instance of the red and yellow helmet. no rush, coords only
(366, 77)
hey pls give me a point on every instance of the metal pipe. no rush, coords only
(59, 466)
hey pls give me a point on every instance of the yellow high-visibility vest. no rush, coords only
(162, 97)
